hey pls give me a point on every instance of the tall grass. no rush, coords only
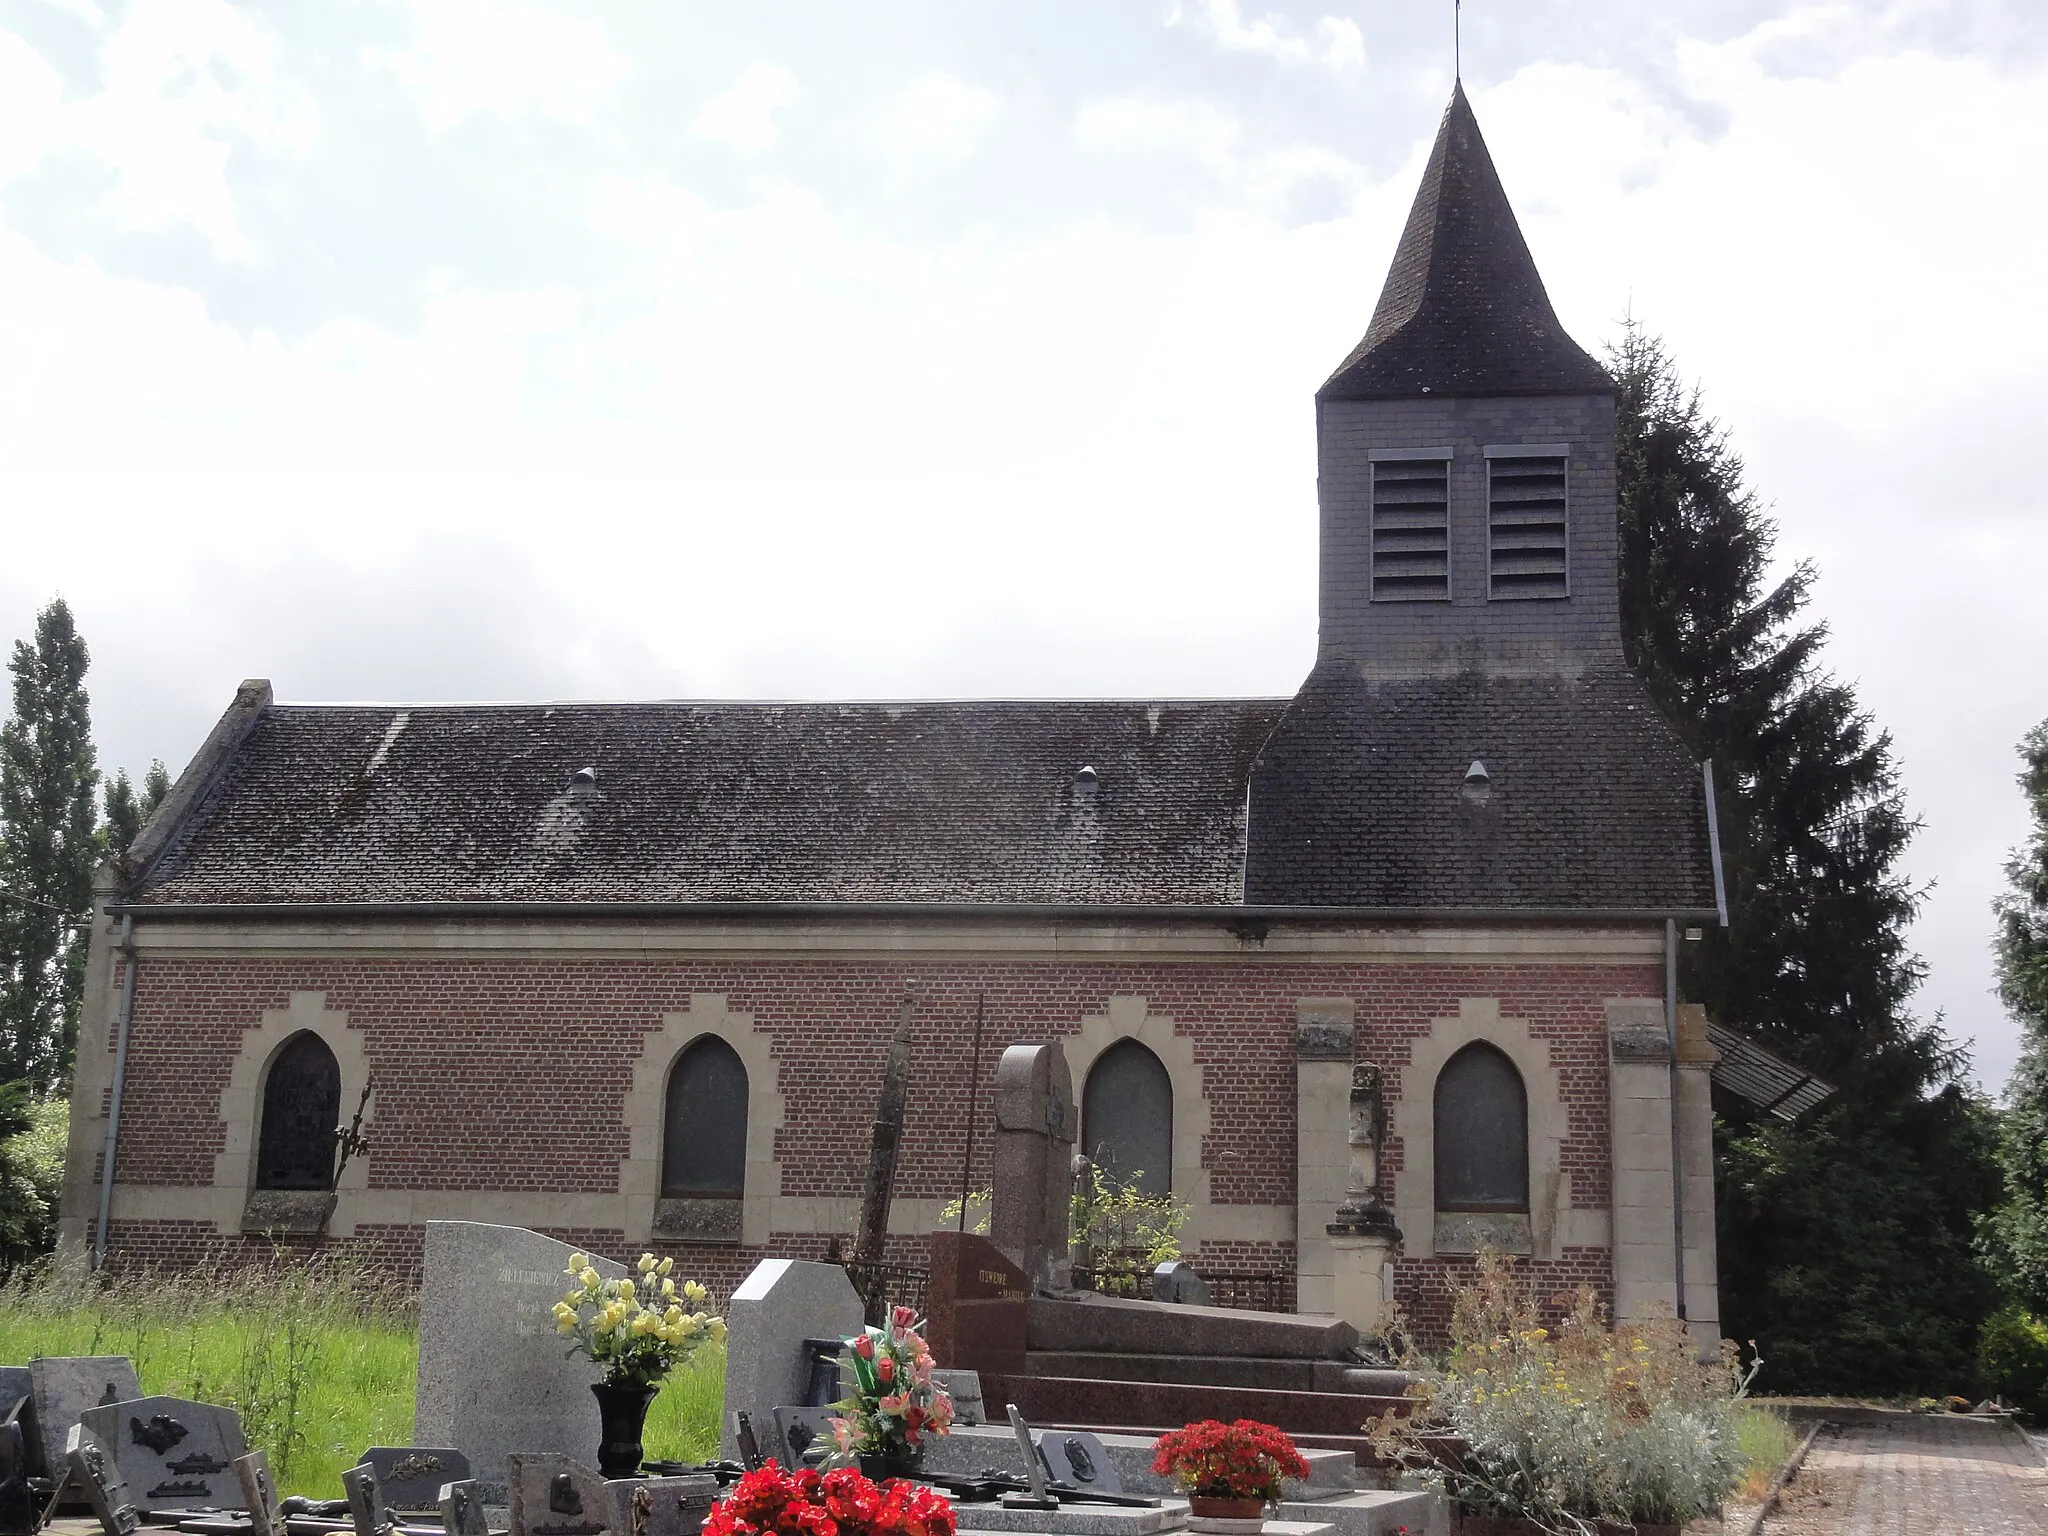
(318, 1358)
(1767, 1440)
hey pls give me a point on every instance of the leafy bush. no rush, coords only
(32, 1135)
(1570, 1426)
(2013, 1352)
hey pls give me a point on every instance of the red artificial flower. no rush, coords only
(885, 1371)
(864, 1346)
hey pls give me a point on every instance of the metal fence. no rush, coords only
(1119, 1274)
(883, 1285)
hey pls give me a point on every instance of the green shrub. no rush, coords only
(2013, 1352)
(32, 1137)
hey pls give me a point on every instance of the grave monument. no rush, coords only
(171, 1452)
(1035, 1130)
(777, 1307)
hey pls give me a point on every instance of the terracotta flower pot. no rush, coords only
(1210, 1516)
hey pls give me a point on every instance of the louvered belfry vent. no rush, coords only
(1525, 523)
(1411, 543)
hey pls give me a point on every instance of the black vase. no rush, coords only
(879, 1466)
(622, 1411)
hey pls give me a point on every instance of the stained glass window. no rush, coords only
(1482, 1133)
(704, 1137)
(301, 1110)
(1127, 1117)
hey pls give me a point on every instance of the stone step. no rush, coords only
(1071, 1400)
(977, 1448)
(1375, 1512)
(1089, 1323)
(1220, 1371)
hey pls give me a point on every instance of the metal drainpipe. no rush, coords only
(1677, 1141)
(126, 948)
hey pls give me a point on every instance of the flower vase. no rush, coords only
(880, 1466)
(1211, 1516)
(622, 1413)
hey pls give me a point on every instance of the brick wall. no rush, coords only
(509, 1074)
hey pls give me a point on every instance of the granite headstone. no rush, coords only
(779, 1305)
(558, 1496)
(21, 1510)
(1074, 1456)
(803, 1436)
(462, 1508)
(494, 1376)
(64, 1386)
(964, 1388)
(98, 1475)
(173, 1453)
(662, 1506)
(15, 1385)
(259, 1494)
(1177, 1281)
(1033, 1162)
(410, 1476)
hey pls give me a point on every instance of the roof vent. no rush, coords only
(1086, 775)
(1086, 782)
(584, 777)
(1477, 773)
(1478, 784)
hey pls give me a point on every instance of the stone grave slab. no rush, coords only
(173, 1453)
(98, 1476)
(1071, 1519)
(1377, 1512)
(798, 1429)
(365, 1498)
(64, 1386)
(558, 1496)
(779, 1305)
(259, 1494)
(969, 1450)
(1078, 1457)
(964, 1387)
(494, 1376)
(462, 1508)
(662, 1506)
(409, 1477)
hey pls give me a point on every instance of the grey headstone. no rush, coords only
(964, 1387)
(21, 1511)
(64, 1386)
(1033, 1167)
(778, 1306)
(1077, 1457)
(99, 1476)
(173, 1453)
(411, 1476)
(16, 1384)
(803, 1436)
(462, 1508)
(259, 1494)
(365, 1498)
(494, 1376)
(1177, 1281)
(663, 1506)
(557, 1496)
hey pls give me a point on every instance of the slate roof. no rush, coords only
(1463, 311)
(1591, 802)
(926, 802)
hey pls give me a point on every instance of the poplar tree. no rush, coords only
(2019, 1227)
(127, 811)
(1846, 1239)
(48, 847)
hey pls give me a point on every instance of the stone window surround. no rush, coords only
(1128, 1018)
(241, 1101)
(644, 1112)
(1414, 1117)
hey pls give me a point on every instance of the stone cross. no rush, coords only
(1033, 1170)
(1364, 1211)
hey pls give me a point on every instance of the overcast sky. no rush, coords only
(470, 351)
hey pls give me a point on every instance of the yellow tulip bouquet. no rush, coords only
(637, 1329)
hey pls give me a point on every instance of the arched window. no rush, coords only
(301, 1111)
(1482, 1133)
(1127, 1117)
(704, 1126)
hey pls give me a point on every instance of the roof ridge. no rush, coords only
(452, 705)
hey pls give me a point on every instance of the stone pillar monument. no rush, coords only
(1363, 1238)
(1033, 1166)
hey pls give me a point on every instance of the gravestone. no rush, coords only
(779, 1305)
(557, 1496)
(1176, 1281)
(98, 1475)
(64, 1386)
(662, 1506)
(462, 1508)
(20, 1509)
(1033, 1168)
(259, 1494)
(409, 1477)
(365, 1499)
(16, 1386)
(964, 1388)
(798, 1430)
(1074, 1456)
(494, 1376)
(173, 1453)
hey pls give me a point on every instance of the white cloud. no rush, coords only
(743, 116)
(471, 56)
(940, 122)
(31, 96)
(1335, 42)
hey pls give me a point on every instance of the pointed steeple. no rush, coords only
(1463, 311)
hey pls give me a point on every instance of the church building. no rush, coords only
(626, 973)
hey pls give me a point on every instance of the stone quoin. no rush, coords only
(625, 974)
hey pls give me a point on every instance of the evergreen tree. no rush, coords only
(127, 812)
(2019, 1227)
(48, 847)
(1846, 1239)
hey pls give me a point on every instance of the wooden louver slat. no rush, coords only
(1411, 557)
(1525, 517)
